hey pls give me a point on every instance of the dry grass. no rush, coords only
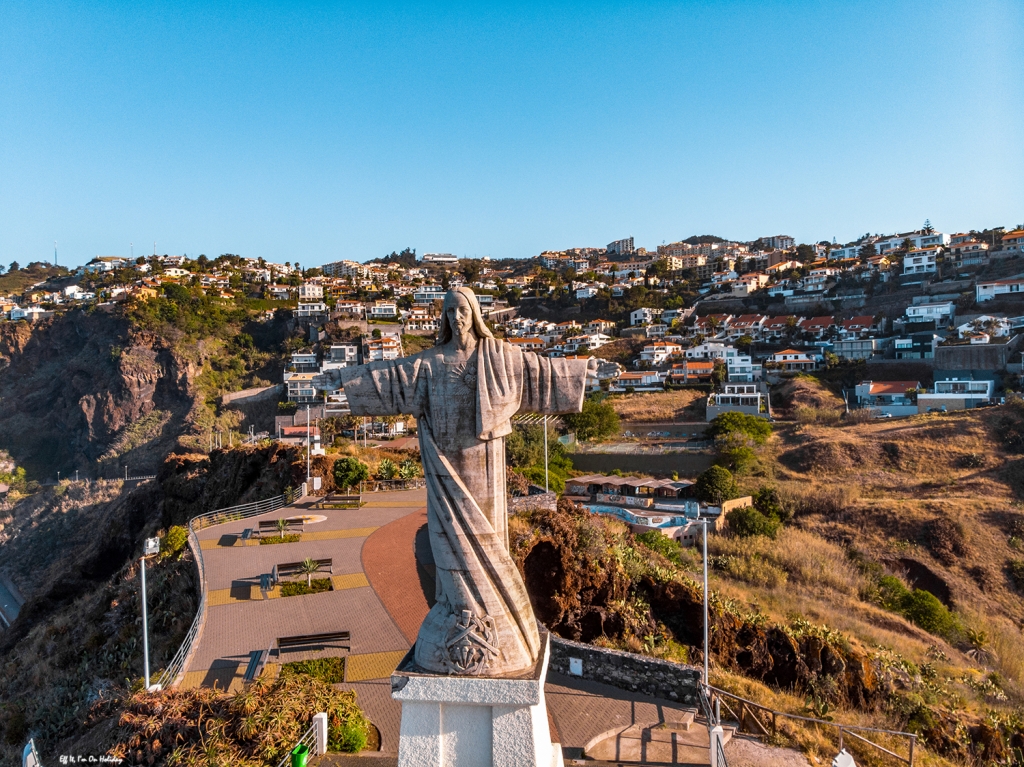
(660, 407)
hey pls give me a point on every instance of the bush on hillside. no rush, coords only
(919, 606)
(748, 521)
(667, 547)
(174, 541)
(730, 424)
(715, 485)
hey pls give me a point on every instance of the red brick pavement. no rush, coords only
(389, 561)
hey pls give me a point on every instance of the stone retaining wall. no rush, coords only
(546, 501)
(627, 671)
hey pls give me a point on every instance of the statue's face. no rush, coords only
(460, 316)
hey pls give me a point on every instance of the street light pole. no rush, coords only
(145, 628)
(307, 443)
(706, 682)
(546, 489)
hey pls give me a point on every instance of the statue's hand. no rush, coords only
(592, 365)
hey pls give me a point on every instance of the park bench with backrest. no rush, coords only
(294, 568)
(257, 660)
(340, 501)
(270, 526)
(311, 640)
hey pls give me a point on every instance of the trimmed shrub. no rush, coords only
(748, 521)
(716, 485)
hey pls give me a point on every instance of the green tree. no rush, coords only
(727, 425)
(715, 485)
(282, 526)
(596, 420)
(866, 251)
(349, 472)
(770, 502)
(744, 342)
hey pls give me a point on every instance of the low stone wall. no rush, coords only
(546, 501)
(627, 671)
(253, 395)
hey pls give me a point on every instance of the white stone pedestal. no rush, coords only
(472, 721)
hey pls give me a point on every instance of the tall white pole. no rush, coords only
(706, 682)
(546, 489)
(145, 628)
(307, 443)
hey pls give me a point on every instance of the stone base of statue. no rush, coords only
(474, 720)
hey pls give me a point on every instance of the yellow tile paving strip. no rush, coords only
(393, 504)
(317, 535)
(374, 665)
(352, 581)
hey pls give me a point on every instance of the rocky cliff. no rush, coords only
(82, 391)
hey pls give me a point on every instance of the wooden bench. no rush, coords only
(339, 501)
(270, 526)
(307, 640)
(293, 568)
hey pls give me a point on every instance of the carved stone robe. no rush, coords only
(482, 622)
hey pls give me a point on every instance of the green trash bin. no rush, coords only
(300, 755)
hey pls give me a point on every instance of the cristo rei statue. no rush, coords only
(463, 393)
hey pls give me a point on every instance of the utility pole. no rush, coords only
(308, 446)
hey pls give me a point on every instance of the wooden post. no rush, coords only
(913, 741)
(775, 728)
(840, 737)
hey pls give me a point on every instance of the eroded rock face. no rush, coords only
(70, 388)
(577, 586)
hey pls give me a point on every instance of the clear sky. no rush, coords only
(318, 131)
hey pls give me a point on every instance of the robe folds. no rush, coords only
(482, 622)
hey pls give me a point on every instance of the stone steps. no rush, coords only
(674, 741)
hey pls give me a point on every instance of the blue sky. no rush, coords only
(318, 131)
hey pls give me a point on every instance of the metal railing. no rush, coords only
(750, 713)
(713, 720)
(308, 739)
(171, 675)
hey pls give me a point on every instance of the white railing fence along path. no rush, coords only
(175, 670)
(315, 739)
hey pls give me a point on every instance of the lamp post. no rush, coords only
(546, 489)
(308, 447)
(152, 546)
(706, 681)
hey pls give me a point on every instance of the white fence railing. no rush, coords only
(315, 739)
(172, 675)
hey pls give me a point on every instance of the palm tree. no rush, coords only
(309, 568)
(282, 526)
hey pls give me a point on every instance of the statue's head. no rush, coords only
(461, 313)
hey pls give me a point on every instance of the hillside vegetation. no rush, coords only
(889, 596)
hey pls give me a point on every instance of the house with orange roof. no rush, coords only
(778, 327)
(1013, 243)
(817, 326)
(888, 396)
(691, 371)
(792, 360)
(858, 327)
(529, 344)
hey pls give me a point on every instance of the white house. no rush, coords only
(986, 291)
(310, 309)
(921, 260)
(382, 310)
(792, 359)
(659, 352)
(310, 292)
(741, 368)
(939, 312)
(984, 323)
(710, 350)
(643, 316)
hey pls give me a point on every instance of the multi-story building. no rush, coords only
(311, 291)
(918, 240)
(921, 260)
(779, 242)
(347, 269)
(792, 360)
(621, 247)
(383, 348)
(310, 309)
(939, 312)
(1013, 243)
(383, 310)
(439, 258)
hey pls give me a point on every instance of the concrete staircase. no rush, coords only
(676, 740)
